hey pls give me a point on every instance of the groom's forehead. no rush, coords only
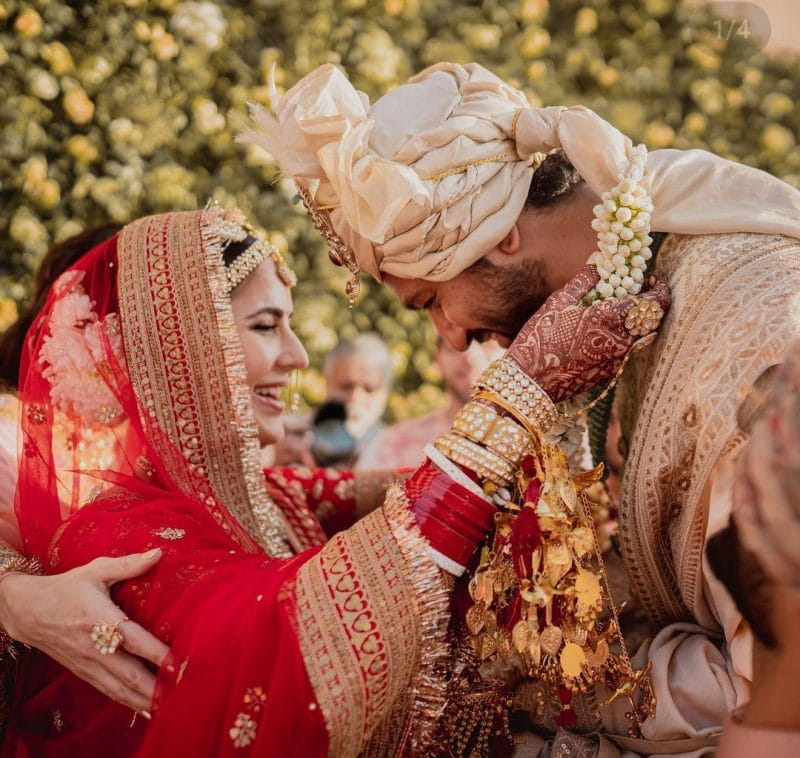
(412, 293)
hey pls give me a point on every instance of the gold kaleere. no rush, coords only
(541, 594)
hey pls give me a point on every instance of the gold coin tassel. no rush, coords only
(540, 594)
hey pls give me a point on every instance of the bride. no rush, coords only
(175, 338)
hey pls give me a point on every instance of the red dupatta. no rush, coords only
(334, 651)
(134, 406)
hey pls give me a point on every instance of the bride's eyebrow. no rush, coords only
(268, 311)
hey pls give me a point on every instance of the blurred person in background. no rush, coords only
(757, 558)
(358, 379)
(358, 373)
(401, 445)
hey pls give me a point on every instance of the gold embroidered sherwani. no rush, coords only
(736, 306)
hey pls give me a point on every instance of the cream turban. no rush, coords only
(435, 173)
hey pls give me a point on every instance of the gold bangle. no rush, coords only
(11, 562)
(500, 434)
(484, 462)
(506, 379)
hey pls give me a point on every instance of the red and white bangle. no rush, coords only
(442, 462)
(451, 517)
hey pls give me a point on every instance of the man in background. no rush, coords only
(401, 446)
(358, 375)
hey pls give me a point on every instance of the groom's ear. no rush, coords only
(510, 244)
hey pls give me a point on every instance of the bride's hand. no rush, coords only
(567, 348)
(55, 614)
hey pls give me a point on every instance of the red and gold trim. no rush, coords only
(372, 615)
(195, 393)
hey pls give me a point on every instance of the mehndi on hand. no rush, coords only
(568, 348)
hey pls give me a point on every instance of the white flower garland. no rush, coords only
(622, 223)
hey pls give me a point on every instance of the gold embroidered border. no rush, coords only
(731, 318)
(187, 370)
(372, 612)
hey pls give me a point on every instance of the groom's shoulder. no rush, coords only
(735, 243)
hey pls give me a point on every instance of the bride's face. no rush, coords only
(262, 309)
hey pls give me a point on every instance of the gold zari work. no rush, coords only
(735, 308)
(199, 410)
(372, 615)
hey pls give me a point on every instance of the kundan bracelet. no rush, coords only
(483, 424)
(484, 462)
(507, 380)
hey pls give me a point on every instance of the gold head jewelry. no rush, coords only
(338, 251)
(251, 258)
(231, 225)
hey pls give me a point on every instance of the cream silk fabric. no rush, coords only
(434, 174)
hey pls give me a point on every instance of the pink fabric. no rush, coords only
(400, 446)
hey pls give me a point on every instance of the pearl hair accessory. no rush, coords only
(622, 223)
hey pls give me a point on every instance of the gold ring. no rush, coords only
(643, 317)
(107, 637)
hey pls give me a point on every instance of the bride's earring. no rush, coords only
(294, 394)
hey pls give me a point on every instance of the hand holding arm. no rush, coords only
(55, 614)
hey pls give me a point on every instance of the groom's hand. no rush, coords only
(568, 348)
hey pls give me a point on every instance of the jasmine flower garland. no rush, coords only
(622, 223)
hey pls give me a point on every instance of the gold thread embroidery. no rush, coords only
(243, 731)
(365, 618)
(678, 402)
(201, 406)
(463, 167)
(170, 533)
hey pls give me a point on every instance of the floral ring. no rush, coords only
(107, 637)
(643, 317)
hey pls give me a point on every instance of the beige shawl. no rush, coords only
(736, 307)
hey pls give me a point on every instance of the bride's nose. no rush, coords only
(293, 355)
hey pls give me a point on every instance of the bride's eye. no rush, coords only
(264, 328)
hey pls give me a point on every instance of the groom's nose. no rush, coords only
(454, 335)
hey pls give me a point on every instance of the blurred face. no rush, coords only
(461, 369)
(262, 309)
(362, 387)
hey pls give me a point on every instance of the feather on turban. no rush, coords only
(435, 173)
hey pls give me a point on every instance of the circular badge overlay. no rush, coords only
(730, 28)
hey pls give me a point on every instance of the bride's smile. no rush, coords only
(262, 309)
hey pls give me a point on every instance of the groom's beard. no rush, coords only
(508, 296)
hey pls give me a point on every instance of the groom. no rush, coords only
(474, 206)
